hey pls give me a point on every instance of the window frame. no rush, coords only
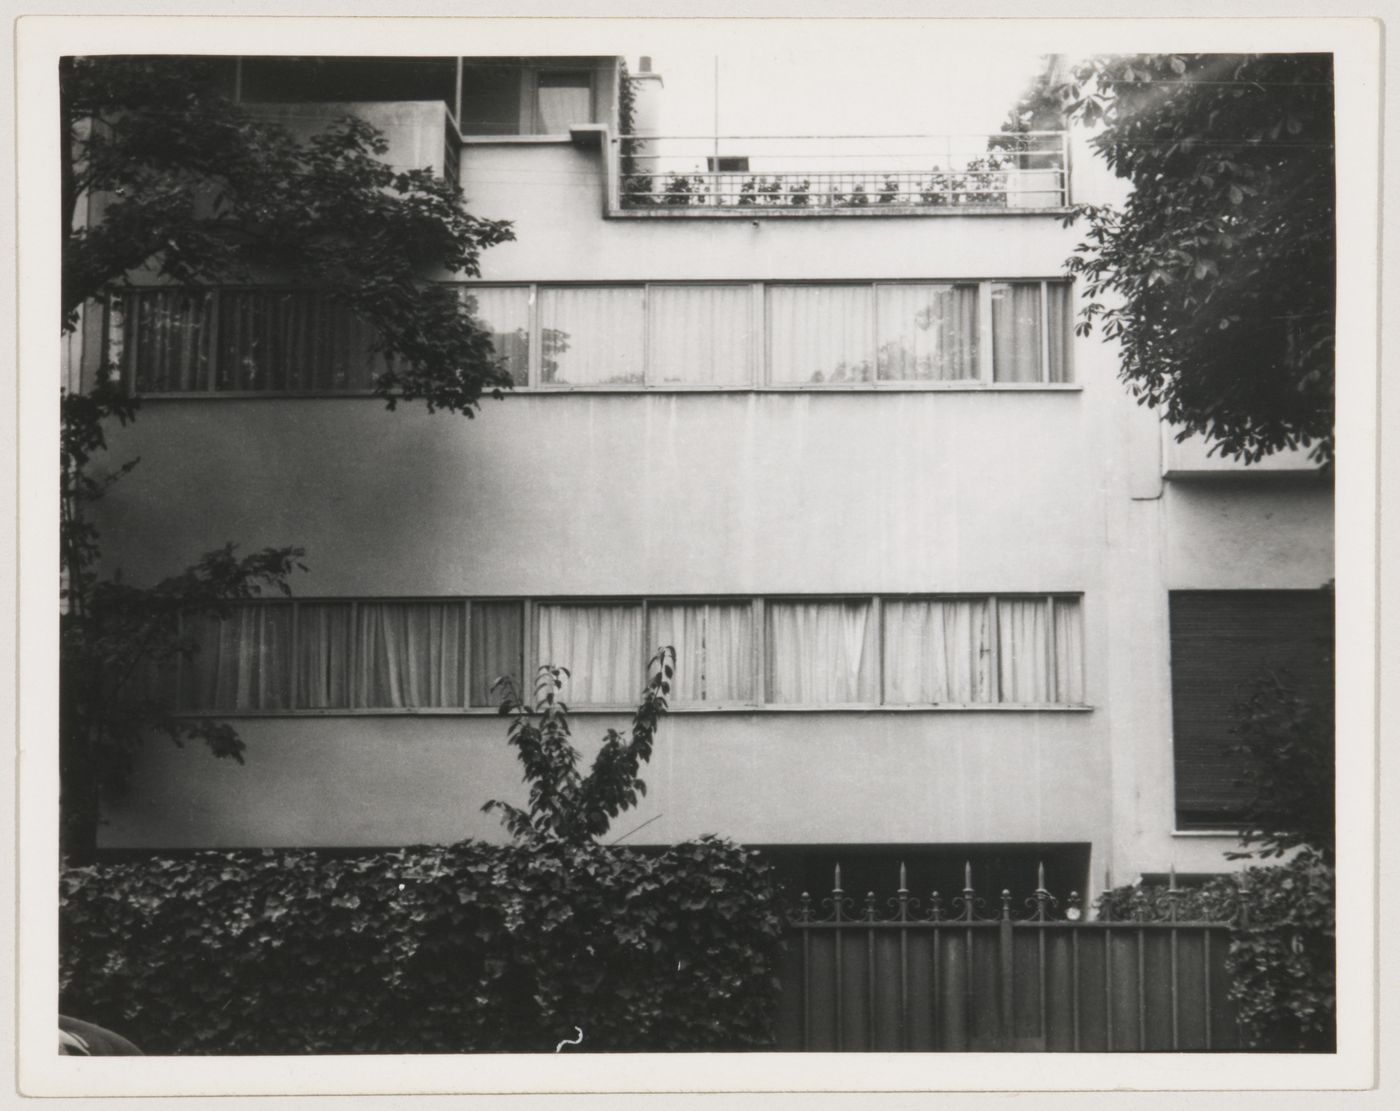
(759, 355)
(760, 678)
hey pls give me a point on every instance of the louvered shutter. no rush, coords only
(1222, 642)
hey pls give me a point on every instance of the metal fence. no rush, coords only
(1034, 978)
(795, 174)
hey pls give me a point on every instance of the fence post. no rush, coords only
(1004, 936)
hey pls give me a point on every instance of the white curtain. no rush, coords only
(601, 645)
(938, 650)
(1023, 650)
(1069, 651)
(1016, 332)
(408, 654)
(323, 655)
(927, 332)
(563, 99)
(243, 663)
(714, 649)
(821, 653)
(1060, 329)
(164, 339)
(504, 312)
(821, 333)
(700, 335)
(591, 335)
(497, 650)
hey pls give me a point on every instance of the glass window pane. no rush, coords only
(927, 333)
(163, 339)
(714, 649)
(1016, 332)
(243, 662)
(1069, 651)
(700, 335)
(1023, 650)
(504, 313)
(601, 645)
(498, 638)
(1058, 309)
(408, 654)
(820, 333)
(323, 655)
(937, 651)
(821, 653)
(591, 336)
(564, 98)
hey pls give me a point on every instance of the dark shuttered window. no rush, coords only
(1222, 642)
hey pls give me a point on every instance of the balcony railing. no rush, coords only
(690, 175)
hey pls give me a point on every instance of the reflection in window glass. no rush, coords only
(591, 335)
(927, 333)
(820, 334)
(504, 312)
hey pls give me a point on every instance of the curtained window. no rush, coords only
(938, 650)
(600, 644)
(324, 645)
(820, 333)
(498, 650)
(591, 335)
(952, 651)
(822, 653)
(563, 98)
(1016, 332)
(927, 333)
(243, 662)
(714, 648)
(504, 313)
(408, 654)
(699, 335)
(1060, 330)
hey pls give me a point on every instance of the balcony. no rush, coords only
(850, 175)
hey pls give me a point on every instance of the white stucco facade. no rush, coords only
(1059, 488)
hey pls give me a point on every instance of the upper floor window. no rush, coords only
(563, 97)
(658, 335)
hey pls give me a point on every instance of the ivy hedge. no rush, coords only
(460, 949)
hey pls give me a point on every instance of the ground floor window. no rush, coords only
(1222, 643)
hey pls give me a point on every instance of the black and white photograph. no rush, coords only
(811, 543)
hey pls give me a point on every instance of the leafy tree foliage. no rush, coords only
(188, 187)
(1217, 276)
(565, 804)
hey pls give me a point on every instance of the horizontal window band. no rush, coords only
(493, 712)
(638, 391)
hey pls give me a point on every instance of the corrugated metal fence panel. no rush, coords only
(989, 986)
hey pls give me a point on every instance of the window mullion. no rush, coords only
(529, 643)
(1052, 678)
(874, 327)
